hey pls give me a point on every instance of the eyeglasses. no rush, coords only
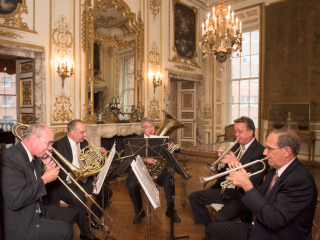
(148, 127)
(48, 143)
(272, 149)
(234, 132)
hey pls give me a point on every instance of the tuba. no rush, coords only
(168, 126)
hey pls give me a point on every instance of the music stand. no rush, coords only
(174, 168)
(145, 147)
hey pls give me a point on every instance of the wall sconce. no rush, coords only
(156, 81)
(64, 72)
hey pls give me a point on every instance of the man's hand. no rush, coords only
(151, 161)
(234, 163)
(241, 179)
(221, 151)
(229, 157)
(103, 151)
(50, 175)
(49, 163)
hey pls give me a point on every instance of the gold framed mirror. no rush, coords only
(112, 39)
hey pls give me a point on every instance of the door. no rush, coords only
(186, 113)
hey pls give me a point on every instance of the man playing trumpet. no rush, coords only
(284, 204)
(250, 150)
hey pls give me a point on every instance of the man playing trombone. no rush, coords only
(284, 204)
(250, 150)
(25, 212)
(69, 147)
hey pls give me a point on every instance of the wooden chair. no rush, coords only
(228, 134)
(316, 223)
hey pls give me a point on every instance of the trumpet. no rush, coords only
(213, 166)
(78, 173)
(205, 180)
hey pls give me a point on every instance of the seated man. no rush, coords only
(23, 213)
(147, 126)
(69, 147)
(250, 150)
(285, 203)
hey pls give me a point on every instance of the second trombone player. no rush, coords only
(249, 150)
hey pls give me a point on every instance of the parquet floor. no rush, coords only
(122, 212)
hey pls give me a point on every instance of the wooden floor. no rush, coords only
(122, 212)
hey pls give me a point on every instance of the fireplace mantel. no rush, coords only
(97, 131)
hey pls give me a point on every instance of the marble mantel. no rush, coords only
(97, 131)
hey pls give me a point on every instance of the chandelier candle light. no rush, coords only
(156, 81)
(221, 34)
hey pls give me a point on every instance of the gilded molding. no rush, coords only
(207, 112)
(9, 34)
(154, 109)
(62, 105)
(62, 37)
(154, 58)
(26, 93)
(115, 41)
(154, 6)
(27, 118)
(59, 130)
(185, 68)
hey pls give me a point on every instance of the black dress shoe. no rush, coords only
(176, 218)
(138, 218)
(87, 236)
(95, 226)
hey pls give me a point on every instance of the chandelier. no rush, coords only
(221, 34)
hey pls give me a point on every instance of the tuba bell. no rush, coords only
(167, 127)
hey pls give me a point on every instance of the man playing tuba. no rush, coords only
(147, 127)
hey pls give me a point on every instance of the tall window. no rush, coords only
(244, 81)
(128, 85)
(8, 99)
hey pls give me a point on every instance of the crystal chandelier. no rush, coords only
(221, 34)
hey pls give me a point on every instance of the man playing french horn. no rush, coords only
(249, 149)
(147, 127)
(70, 146)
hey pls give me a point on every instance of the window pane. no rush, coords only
(234, 111)
(235, 68)
(245, 43)
(245, 67)
(234, 92)
(244, 91)
(254, 91)
(255, 42)
(255, 66)
(243, 110)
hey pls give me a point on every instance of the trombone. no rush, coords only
(205, 180)
(78, 173)
(213, 166)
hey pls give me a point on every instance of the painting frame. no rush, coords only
(14, 10)
(185, 26)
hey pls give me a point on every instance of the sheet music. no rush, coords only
(146, 181)
(102, 175)
(156, 136)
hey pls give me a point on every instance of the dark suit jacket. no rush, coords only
(64, 148)
(288, 210)
(20, 192)
(254, 152)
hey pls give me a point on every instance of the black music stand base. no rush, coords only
(172, 235)
(107, 233)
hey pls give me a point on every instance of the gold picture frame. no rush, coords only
(26, 67)
(27, 118)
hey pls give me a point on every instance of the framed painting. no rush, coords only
(185, 27)
(9, 8)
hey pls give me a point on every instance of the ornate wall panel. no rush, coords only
(62, 44)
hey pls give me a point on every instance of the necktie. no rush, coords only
(40, 204)
(273, 181)
(241, 152)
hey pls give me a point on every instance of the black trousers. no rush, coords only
(233, 208)
(57, 223)
(68, 198)
(228, 231)
(134, 188)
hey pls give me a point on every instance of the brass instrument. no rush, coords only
(213, 166)
(168, 126)
(205, 180)
(79, 173)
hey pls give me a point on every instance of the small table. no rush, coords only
(310, 138)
